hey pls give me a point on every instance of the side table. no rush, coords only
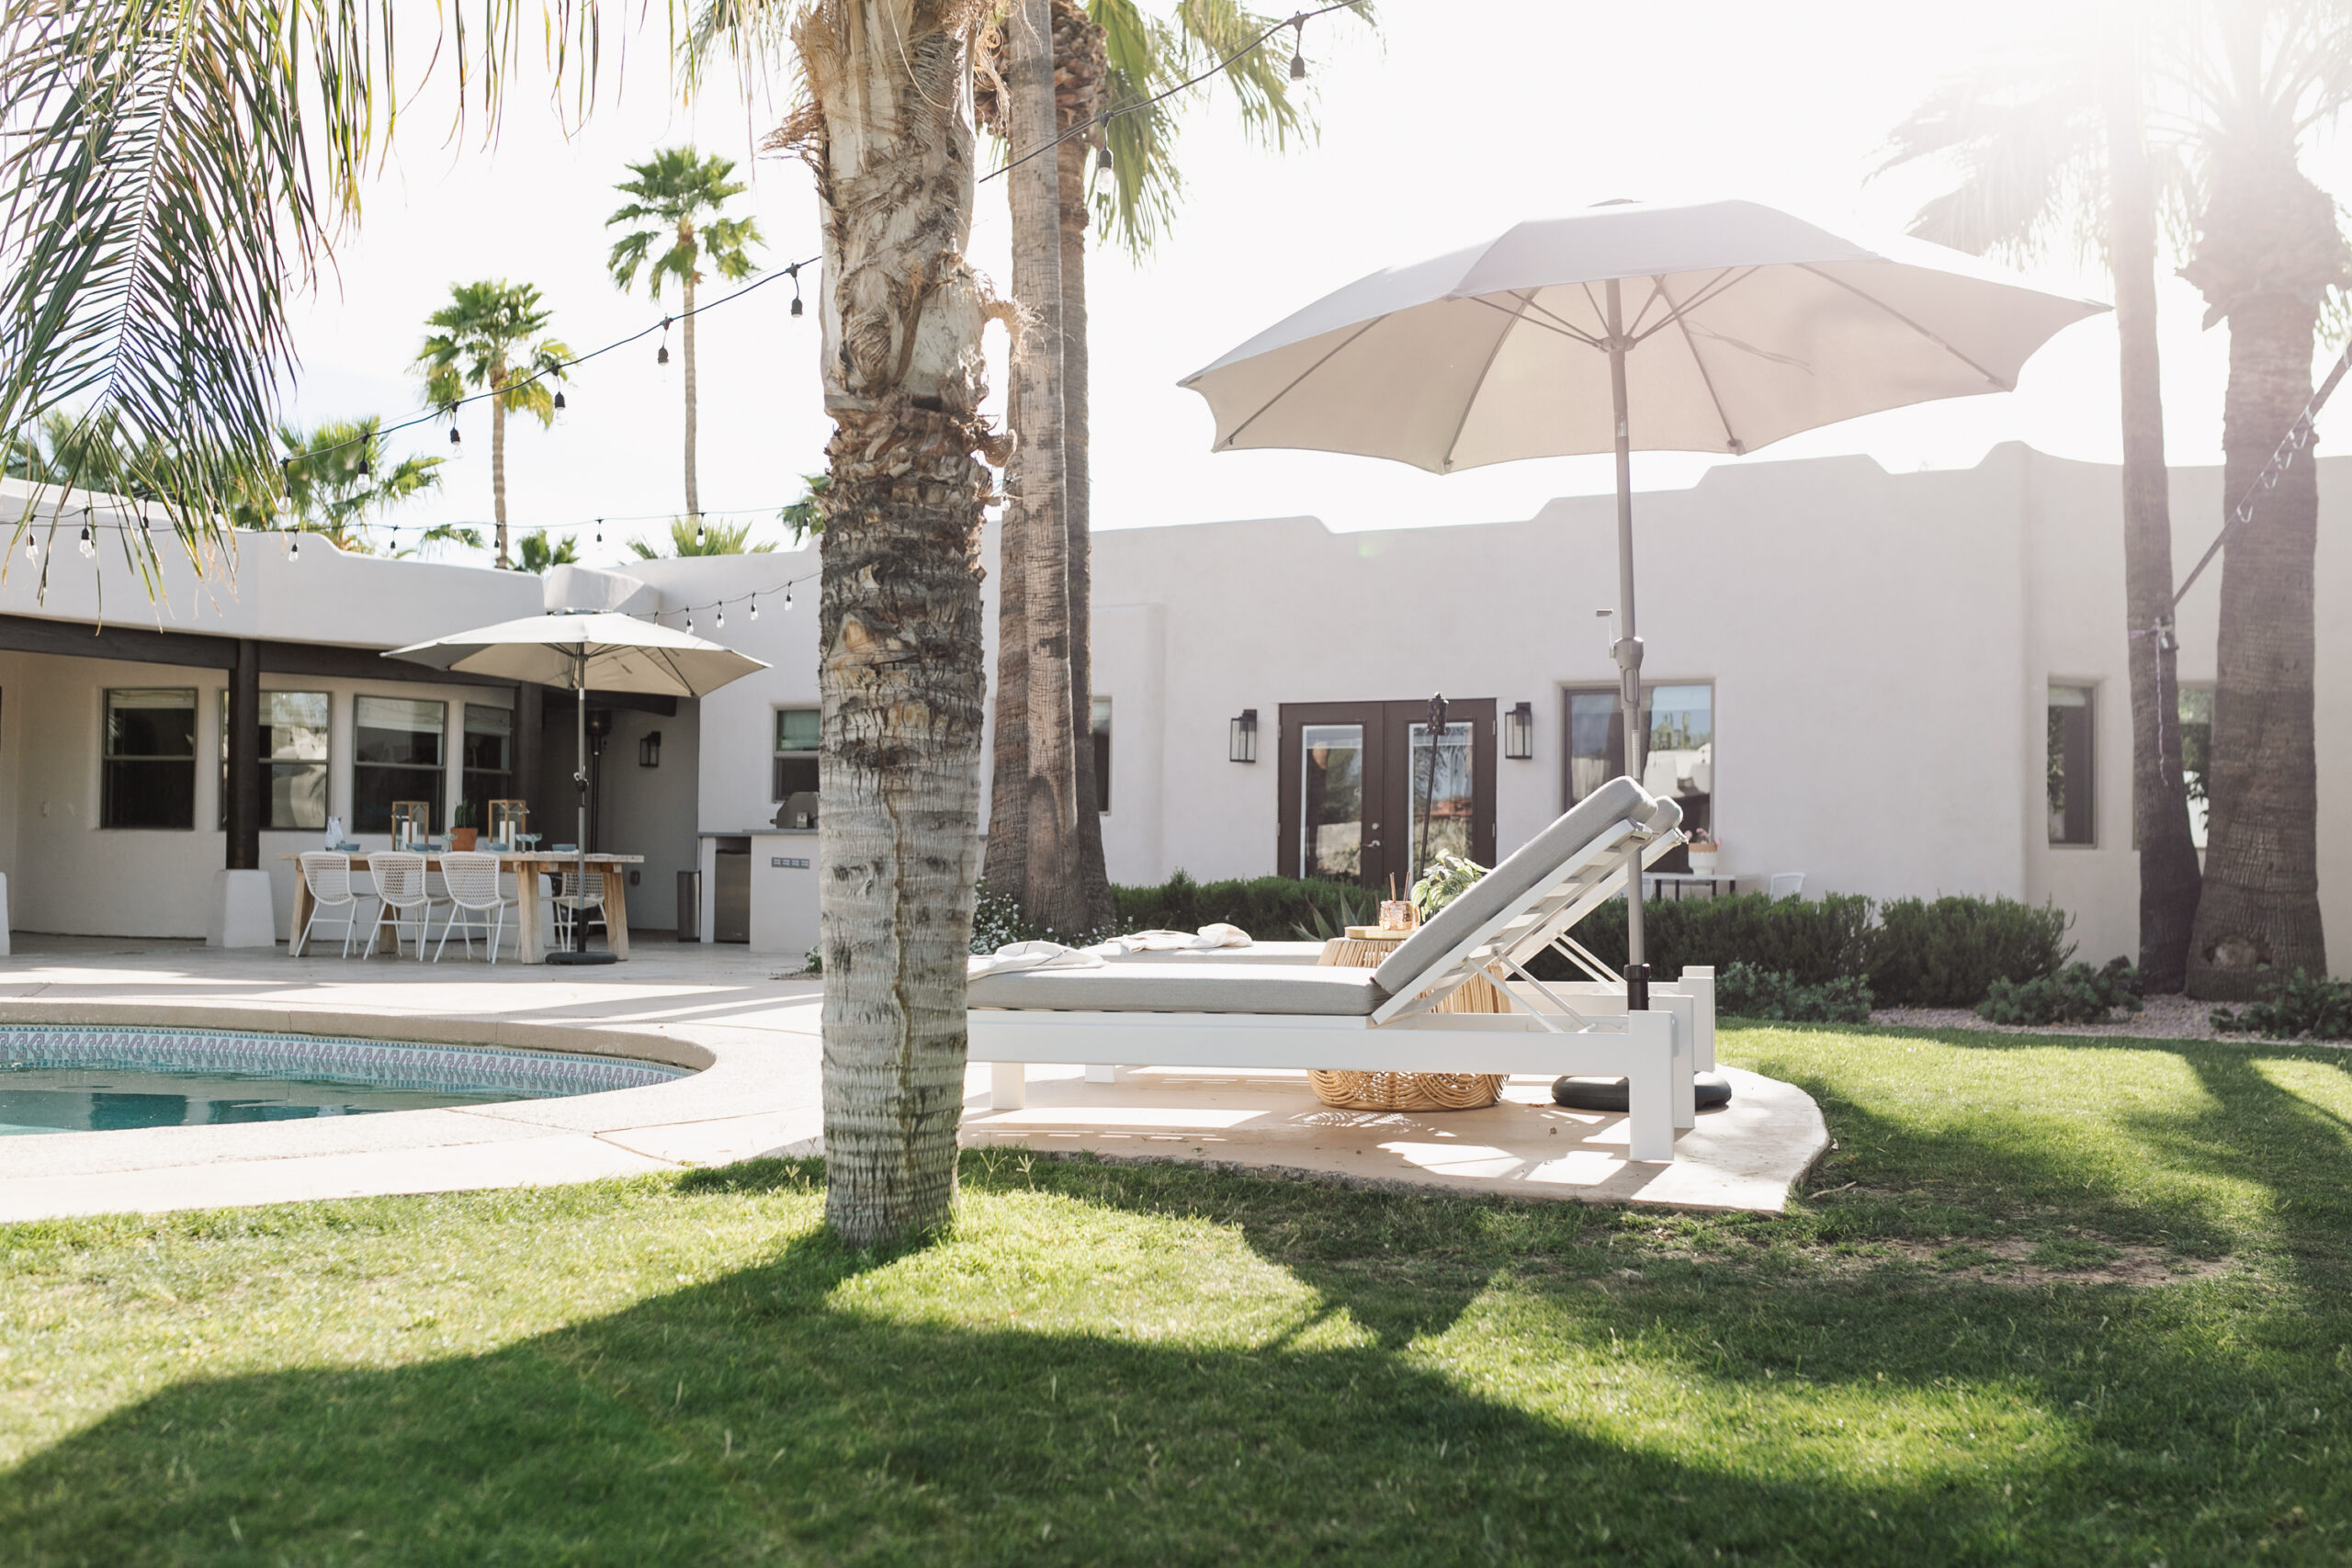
(1365, 947)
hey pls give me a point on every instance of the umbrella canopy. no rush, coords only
(1721, 327)
(1741, 325)
(601, 652)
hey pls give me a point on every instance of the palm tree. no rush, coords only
(483, 339)
(676, 190)
(2053, 151)
(2266, 254)
(1106, 53)
(338, 476)
(171, 171)
(538, 555)
(692, 536)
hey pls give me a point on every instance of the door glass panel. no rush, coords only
(1331, 816)
(1445, 792)
(1679, 761)
(1596, 742)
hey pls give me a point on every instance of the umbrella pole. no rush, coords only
(1629, 652)
(579, 779)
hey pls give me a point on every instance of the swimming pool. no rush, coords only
(61, 1078)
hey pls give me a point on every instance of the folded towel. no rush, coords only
(1204, 939)
(1029, 955)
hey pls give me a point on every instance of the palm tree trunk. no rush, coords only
(1095, 882)
(1008, 846)
(498, 461)
(2268, 250)
(2168, 871)
(694, 496)
(899, 624)
(1051, 891)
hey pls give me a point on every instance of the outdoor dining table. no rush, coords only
(1715, 882)
(531, 924)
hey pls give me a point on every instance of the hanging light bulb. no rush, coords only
(690, 621)
(85, 544)
(755, 609)
(600, 530)
(32, 547)
(367, 468)
(722, 618)
(662, 357)
(1103, 142)
(795, 271)
(294, 547)
(701, 538)
(457, 442)
(788, 598)
(1298, 48)
(559, 404)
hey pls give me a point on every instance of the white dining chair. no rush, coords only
(1788, 884)
(575, 898)
(400, 885)
(476, 903)
(328, 876)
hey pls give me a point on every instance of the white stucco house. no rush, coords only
(1892, 683)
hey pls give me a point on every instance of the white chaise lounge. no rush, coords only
(1205, 1012)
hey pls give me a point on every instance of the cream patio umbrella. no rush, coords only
(582, 652)
(1719, 327)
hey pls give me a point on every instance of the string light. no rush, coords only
(367, 468)
(690, 620)
(663, 357)
(293, 547)
(722, 618)
(755, 607)
(788, 598)
(701, 540)
(85, 545)
(559, 404)
(32, 545)
(600, 530)
(1298, 48)
(793, 272)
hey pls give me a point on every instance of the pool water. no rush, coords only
(83, 1099)
(77, 1079)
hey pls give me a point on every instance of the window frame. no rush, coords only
(1679, 858)
(780, 755)
(107, 757)
(271, 766)
(437, 771)
(2074, 811)
(467, 774)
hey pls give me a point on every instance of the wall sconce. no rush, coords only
(1519, 732)
(649, 750)
(1241, 739)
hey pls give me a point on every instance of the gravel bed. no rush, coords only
(2159, 1017)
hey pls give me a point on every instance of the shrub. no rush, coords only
(996, 920)
(1270, 908)
(1948, 952)
(1744, 990)
(2320, 1008)
(1812, 941)
(2076, 994)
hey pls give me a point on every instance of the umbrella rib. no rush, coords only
(1932, 337)
(1709, 292)
(1302, 376)
(1485, 370)
(1553, 325)
(1682, 320)
(1657, 292)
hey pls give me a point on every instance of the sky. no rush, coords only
(1448, 125)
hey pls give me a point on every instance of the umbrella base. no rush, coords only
(582, 958)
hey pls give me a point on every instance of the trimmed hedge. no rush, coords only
(1271, 908)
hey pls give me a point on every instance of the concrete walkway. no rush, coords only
(752, 1031)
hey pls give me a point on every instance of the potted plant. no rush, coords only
(462, 831)
(1704, 850)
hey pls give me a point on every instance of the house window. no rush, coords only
(1439, 795)
(148, 772)
(796, 766)
(397, 744)
(293, 758)
(487, 759)
(1103, 755)
(1679, 761)
(2196, 756)
(2067, 774)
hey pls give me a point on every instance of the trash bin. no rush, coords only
(690, 905)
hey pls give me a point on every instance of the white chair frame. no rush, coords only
(1582, 1027)
(470, 878)
(328, 876)
(402, 889)
(574, 897)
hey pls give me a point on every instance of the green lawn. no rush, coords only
(1154, 1365)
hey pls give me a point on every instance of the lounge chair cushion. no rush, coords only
(1295, 990)
(1407, 970)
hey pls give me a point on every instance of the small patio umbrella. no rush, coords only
(583, 652)
(1719, 327)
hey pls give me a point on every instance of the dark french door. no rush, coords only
(1354, 776)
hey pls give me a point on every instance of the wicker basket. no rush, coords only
(1406, 1091)
(1353, 1091)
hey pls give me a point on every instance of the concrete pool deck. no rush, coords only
(754, 1034)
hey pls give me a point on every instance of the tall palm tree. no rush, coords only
(2053, 151)
(487, 338)
(694, 538)
(173, 174)
(881, 124)
(2266, 254)
(682, 192)
(1107, 54)
(338, 477)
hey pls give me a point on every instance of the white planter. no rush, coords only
(1702, 861)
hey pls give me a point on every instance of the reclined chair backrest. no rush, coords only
(1539, 891)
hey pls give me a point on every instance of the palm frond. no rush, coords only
(176, 171)
(2027, 142)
